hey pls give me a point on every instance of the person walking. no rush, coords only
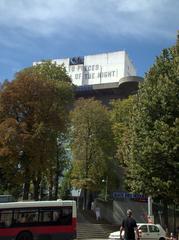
(129, 225)
(98, 213)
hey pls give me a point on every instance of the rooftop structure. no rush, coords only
(99, 68)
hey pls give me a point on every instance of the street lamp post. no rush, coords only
(106, 187)
(150, 212)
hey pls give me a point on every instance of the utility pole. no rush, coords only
(106, 187)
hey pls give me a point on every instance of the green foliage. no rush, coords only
(153, 163)
(52, 71)
(92, 144)
(34, 112)
(121, 115)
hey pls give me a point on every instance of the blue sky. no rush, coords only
(32, 30)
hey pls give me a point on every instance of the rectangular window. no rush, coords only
(143, 228)
(153, 228)
(56, 216)
(6, 218)
(25, 217)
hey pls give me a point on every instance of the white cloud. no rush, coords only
(137, 18)
(28, 25)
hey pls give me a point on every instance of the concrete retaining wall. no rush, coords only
(115, 211)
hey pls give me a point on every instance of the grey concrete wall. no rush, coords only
(120, 208)
(115, 211)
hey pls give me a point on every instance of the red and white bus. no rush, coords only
(38, 220)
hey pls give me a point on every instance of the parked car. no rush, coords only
(147, 231)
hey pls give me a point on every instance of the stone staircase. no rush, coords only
(89, 228)
(94, 231)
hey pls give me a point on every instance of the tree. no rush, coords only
(92, 145)
(65, 187)
(121, 114)
(58, 166)
(33, 113)
(153, 163)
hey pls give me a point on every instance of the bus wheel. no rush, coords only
(25, 236)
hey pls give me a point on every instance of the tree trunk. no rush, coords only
(56, 176)
(27, 179)
(56, 187)
(165, 214)
(43, 187)
(51, 186)
(84, 199)
(174, 219)
(26, 190)
(36, 183)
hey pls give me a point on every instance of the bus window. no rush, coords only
(66, 217)
(56, 216)
(25, 216)
(46, 216)
(22, 218)
(5, 218)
